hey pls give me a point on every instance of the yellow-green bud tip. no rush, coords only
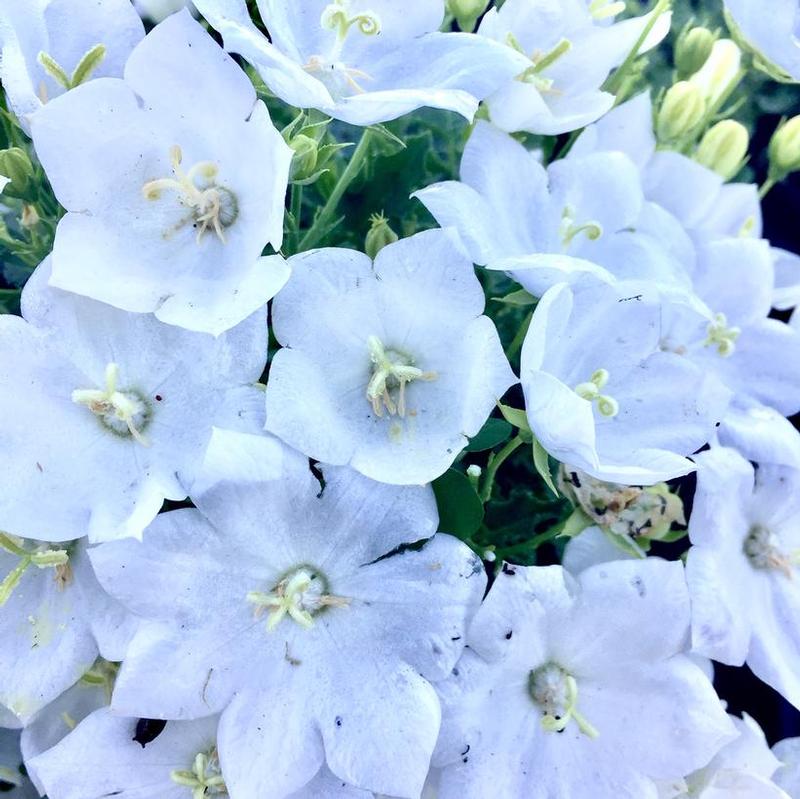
(784, 148)
(681, 112)
(723, 148)
(692, 50)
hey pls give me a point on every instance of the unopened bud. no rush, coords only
(723, 148)
(467, 12)
(692, 50)
(17, 167)
(304, 161)
(681, 112)
(30, 216)
(784, 149)
(379, 235)
(720, 72)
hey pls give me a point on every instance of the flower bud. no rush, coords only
(304, 161)
(784, 149)
(720, 73)
(467, 12)
(379, 235)
(692, 50)
(681, 112)
(723, 148)
(30, 216)
(17, 167)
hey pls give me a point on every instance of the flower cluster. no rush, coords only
(290, 511)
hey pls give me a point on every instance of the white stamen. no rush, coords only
(123, 413)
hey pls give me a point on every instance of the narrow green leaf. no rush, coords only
(519, 298)
(515, 416)
(541, 460)
(386, 141)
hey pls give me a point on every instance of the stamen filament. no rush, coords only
(391, 370)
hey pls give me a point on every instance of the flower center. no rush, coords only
(124, 413)
(42, 556)
(340, 79)
(211, 206)
(391, 370)
(555, 691)
(301, 594)
(204, 778)
(590, 391)
(762, 548)
(721, 336)
(569, 228)
(603, 9)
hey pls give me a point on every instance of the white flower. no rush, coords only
(54, 620)
(388, 367)
(100, 758)
(771, 36)
(570, 48)
(579, 215)
(50, 46)
(786, 293)
(170, 201)
(740, 770)
(108, 413)
(756, 357)
(13, 782)
(364, 62)
(316, 643)
(760, 433)
(742, 567)
(788, 775)
(577, 687)
(57, 719)
(603, 396)
(696, 196)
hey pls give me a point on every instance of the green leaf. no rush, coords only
(575, 524)
(541, 460)
(494, 432)
(519, 298)
(460, 507)
(515, 416)
(386, 142)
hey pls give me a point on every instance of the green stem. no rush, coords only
(615, 82)
(516, 344)
(765, 189)
(495, 463)
(530, 545)
(296, 206)
(317, 230)
(6, 542)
